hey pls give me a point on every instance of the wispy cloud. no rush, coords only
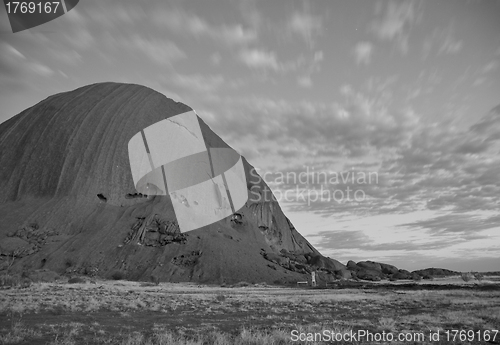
(199, 83)
(162, 51)
(203, 84)
(183, 22)
(397, 23)
(443, 41)
(14, 64)
(363, 52)
(306, 25)
(490, 66)
(259, 59)
(305, 79)
(264, 60)
(463, 227)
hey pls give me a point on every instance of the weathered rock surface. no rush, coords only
(68, 203)
(375, 271)
(428, 273)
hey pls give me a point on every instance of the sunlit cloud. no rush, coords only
(260, 59)
(363, 52)
(305, 25)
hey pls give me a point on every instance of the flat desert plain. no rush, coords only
(441, 311)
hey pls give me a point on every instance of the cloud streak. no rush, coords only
(363, 52)
(397, 22)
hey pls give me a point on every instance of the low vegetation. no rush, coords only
(134, 313)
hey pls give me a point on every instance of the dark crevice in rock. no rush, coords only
(187, 260)
(135, 195)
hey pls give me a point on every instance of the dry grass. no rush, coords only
(18, 333)
(122, 312)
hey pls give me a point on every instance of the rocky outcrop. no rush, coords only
(330, 269)
(26, 240)
(155, 232)
(429, 273)
(370, 265)
(388, 269)
(375, 271)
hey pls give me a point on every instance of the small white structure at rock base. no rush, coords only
(313, 278)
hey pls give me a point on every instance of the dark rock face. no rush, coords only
(64, 166)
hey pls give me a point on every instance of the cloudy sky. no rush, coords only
(408, 92)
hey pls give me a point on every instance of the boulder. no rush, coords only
(388, 269)
(13, 245)
(352, 265)
(435, 272)
(277, 259)
(321, 262)
(370, 265)
(402, 275)
(343, 274)
(371, 275)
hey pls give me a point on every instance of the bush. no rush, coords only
(155, 279)
(220, 297)
(76, 280)
(9, 280)
(467, 276)
(479, 276)
(118, 275)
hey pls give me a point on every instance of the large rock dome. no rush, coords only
(68, 201)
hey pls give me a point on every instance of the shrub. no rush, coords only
(76, 280)
(479, 276)
(241, 284)
(147, 284)
(118, 275)
(467, 276)
(9, 280)
(155, 279)
(220, 298)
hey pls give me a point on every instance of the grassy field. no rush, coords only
(121, 312)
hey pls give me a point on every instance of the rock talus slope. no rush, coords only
(68, 201)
